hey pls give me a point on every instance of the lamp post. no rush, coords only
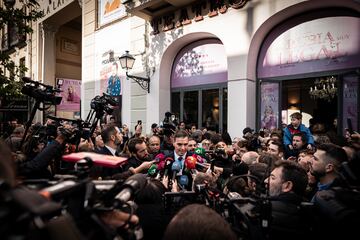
(127, 62)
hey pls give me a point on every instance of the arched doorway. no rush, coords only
(199, 85)
(310, 50)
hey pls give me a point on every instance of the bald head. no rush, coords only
(249, 157)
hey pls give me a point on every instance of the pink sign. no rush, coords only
(350, 101)
(71, 92)
(314, 46)
(202, 62)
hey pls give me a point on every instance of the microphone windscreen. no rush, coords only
(176, 167)
(159, 157)
(169, 159)
(199, 159)
(184, 180)
(152, 170)
(190, 162)
(200, 151)
(161, 165)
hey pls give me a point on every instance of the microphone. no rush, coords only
(159, 157)
(184, 180)
(152, 170)
(130, 187)
(190, 162)
(200, 151)
(199, 159)
(175, 169)
(168, 162)
(161, 165)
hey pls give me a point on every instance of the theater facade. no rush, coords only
(223, 65)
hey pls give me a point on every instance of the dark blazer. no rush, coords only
(104, 150)
(104, 172)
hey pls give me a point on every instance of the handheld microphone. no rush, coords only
(159, 157)
(190, 162)
(161, 165)
(175, 169)
(184, 180)
(199, 159)
(152, 170)
(168, 162)
(130, 187)
(200, 151)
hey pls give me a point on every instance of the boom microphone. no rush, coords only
(131, 186)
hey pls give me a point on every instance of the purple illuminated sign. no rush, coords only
(202, 62)
(324, 44)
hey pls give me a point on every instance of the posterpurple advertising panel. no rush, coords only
(70, 93)
(202, 62)
(269, 105)
(323, 44)
(350, 101)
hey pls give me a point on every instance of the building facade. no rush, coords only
(224, 65)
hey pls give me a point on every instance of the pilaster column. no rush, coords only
(48, 60)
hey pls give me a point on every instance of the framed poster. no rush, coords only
(70, 93)
(350, 101)
(269, 105)
(109, 11)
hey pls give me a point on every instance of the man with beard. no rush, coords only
(298, 144)
(139, 154)
(287, 184)
(337, 206)
(112, 138)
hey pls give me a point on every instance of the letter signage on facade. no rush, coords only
(323, 44)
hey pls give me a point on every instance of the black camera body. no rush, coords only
(169, 125)
(103, 103)
(41, 92)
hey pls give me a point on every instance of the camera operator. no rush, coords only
(45, 164)
(287, 184)
(25, 214)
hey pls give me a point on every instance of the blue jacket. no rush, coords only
(288, 136)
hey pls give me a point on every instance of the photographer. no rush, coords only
(26, 214)
(287, 184)
(42, 166)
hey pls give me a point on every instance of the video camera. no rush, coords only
(169, 124)
(80, 129)
(41, 92)
(103, 103)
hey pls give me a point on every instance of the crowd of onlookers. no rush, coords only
(291, 166)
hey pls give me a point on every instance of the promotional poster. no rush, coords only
(269, 105)
(70, 93)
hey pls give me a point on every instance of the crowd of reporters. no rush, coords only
(293, 182)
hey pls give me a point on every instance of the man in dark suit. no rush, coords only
(112, 138)
(181, 141)
(139, 154)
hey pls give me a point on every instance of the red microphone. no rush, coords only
(190, 162)
(159, 157)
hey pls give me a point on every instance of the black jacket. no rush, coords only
(287, 218)
(38, 167)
